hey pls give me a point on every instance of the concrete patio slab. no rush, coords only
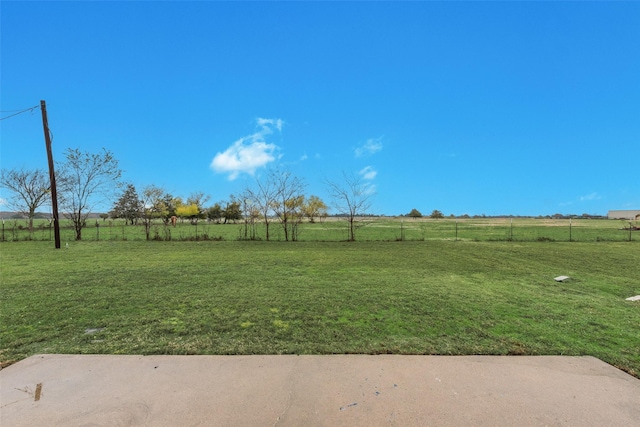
(339, 390)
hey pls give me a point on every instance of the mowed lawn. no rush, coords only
(242, 297)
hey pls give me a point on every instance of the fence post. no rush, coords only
(511, 230)
(570, 229)
(456, 229)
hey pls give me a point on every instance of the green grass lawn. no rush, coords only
(233, 297)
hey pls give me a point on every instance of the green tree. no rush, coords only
(128, 206)
(232, 210)
(170, 203)
(190, 211)
(436, 214)
(214, 213)
(314, 207)
(415, 213)
(86, 179)
(198, 199)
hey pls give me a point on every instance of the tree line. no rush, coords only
(86, 179)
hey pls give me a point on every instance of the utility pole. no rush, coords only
(52, 174)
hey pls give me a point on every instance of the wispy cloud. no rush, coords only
(586, 198)
(591, 196)
(268, 124)
(368, 173)
(249, 152)
(372, 146)
(3, 202)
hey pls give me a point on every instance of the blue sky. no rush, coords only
(521, 108)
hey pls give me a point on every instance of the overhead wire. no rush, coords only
(18, 112)
(11, 111)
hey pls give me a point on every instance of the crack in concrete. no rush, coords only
(286, 408)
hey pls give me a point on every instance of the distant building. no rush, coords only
(630, 214)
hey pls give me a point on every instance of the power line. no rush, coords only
(18, 112)
(10, 111)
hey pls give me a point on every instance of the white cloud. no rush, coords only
(3, 202)
(241, 157)
(591, 196)
(370, 189)
(586, 198)
(372, 146)
(304, 157)
(248, 153)
(368, 173)
(267, 124)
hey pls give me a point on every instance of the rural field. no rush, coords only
(423, 296)
(335, 229)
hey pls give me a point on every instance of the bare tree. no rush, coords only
(295, 206)
(152, 206)
(352, 199)
(85, 180)
(251, 213)
(30, 190)
(288, 201)
(263, 198)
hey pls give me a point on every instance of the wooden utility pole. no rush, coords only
(52, 174)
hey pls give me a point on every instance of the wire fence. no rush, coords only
(335, 229)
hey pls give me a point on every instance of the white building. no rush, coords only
(629, 214)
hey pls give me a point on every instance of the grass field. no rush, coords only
(240, 297)
(335, 230)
